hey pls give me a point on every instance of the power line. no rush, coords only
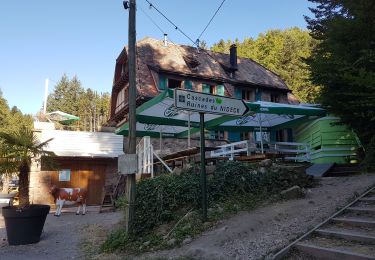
(175, 26)
(152, 20)
(205, 28)
(177, 45)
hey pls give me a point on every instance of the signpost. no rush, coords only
(211, 104)
(207, 103)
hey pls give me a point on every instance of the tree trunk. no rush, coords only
(23, 187)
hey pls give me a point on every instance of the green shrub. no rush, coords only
(167, 197)
(233, 186)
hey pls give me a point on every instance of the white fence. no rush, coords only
(145, 156)
(298, 152)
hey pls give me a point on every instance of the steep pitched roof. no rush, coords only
(187, 60)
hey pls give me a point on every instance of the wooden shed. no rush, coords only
(83, 160)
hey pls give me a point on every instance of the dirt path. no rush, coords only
(257, 234)
(61, 237)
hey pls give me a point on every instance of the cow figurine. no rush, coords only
(69, 196)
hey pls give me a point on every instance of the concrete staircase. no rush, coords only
(343, 170)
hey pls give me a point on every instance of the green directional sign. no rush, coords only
(207, 103)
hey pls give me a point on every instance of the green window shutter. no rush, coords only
(258, 95)
(162, 82)
(188, 84)
(220, 90)
(205, 88)
(238, 93)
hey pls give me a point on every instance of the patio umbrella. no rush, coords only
(62, 117)
(160, 111)
(270, 115)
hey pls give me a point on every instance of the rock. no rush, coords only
(210, 169)
(171, 242)
(294, 192)
(262, 170)
(177, 171)
(265, 163)
(162, 229)
(195, 252)
(186, 227)
(187, 240)
(147, 243)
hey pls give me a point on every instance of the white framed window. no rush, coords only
(64, 175)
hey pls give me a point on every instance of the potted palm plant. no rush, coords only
(24, 223)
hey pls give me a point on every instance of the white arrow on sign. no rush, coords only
(207, 103)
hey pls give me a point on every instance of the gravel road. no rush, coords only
(61, 237)
(259, 233)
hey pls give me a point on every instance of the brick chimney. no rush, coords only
(233, 57)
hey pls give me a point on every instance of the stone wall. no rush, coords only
(171, 145)
(40, 184)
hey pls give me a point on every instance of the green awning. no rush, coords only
(159, 115)
(160, 111)
(271, 116)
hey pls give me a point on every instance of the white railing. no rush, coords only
(232, 149)
(145, 156)
(298, 152)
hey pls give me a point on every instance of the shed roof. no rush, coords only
(83, 144)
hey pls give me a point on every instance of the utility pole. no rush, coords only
(203, 169)
(45, 96)
(130, 179)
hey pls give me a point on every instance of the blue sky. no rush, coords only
(44, 39)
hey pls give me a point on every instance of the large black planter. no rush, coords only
(25, 226)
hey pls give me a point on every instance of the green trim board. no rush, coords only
(152, 130)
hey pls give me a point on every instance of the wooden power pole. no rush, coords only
(130, 180)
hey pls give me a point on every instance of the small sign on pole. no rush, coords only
(127, 164)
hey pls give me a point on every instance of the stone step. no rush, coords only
(345, 169)
(362, 209)
(346, 235)
(367, 199)
(355, 222)
(331, 253)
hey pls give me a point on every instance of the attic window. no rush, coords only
(191, 61)
(275, 98)
(173, 83)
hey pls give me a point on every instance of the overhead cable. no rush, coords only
(205, 28)
(175, 26)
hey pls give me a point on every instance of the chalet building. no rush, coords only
(162, 65)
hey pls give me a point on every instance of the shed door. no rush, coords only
(95, 185)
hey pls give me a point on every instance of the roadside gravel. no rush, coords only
(61, 238)
(259, 233)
